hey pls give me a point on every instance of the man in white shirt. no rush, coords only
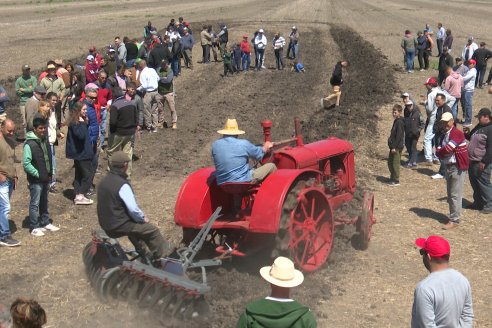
(149, 80)
(260, 44)
(469, 49)
(467, 95)
(441, 35)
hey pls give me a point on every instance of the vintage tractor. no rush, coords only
(293, 212)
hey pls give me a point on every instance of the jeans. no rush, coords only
(480, 76)
(394, 165)
(260, 53)
(423, 57)
(6, 189)
(53, 161)
(279, 58)
(480, 182)
(467, 103)
(246, 61)
(175, 66)
(455, 180)
(439, 46)
(454, 109)
(294, 47)
(38, 205)
(409, 57)
(428, 138)
(411, 144)
(102, 126)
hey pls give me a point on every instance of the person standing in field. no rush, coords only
(395, 144)
(444, 298)
(409, 44)
(24, 88)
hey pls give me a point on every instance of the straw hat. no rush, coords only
(231, 128)
(282, 273)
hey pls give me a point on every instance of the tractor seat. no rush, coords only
(236, 188)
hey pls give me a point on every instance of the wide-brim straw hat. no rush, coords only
(231, 128)
(282, 273)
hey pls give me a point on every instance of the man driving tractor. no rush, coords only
(231, 157)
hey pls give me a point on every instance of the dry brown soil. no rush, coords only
(373, 288)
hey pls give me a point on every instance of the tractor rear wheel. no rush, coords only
(306, 227)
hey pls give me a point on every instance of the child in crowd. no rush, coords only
(297, 67)
(395, 144)
(246, 53)
(227, 57)
(237, 55)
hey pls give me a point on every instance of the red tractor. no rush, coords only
(296, 208)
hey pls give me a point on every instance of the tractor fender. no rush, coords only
(267, 208)
(197, 199)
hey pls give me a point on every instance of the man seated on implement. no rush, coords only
(119, 214)
(231, 157)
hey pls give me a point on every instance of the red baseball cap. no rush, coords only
(435, 246)
(431, 81)
(472, 61)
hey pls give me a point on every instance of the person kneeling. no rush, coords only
(119, 214)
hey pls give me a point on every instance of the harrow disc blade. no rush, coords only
(150, 294)
(105, 281)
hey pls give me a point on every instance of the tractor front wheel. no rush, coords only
(366, 220)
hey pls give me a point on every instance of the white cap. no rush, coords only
(261, 31)
(294, 28)
(90, 58)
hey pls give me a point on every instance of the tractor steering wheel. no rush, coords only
(267, 158)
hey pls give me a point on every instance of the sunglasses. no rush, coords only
(90, 97)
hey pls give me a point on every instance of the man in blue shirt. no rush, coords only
(231, 157)
(119, 214)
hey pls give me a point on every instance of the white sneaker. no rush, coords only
(37, 232)
(437, 176)
(51, 227)
(83, 201)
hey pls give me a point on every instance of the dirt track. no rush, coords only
(370, 289)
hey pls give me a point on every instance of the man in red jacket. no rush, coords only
(453, 153)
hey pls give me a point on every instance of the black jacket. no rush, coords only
(111, 210)
(482, 136)
(131, 51)
(481, 55)
(336, 77)
(445, 61)
(396, 138)
(38, 160)
(160, 52)
(413, 123)
(439, 112)
(78, 146)
(123, 118)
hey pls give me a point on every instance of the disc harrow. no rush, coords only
(165, 288)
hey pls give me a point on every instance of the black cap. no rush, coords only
(484, 112)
